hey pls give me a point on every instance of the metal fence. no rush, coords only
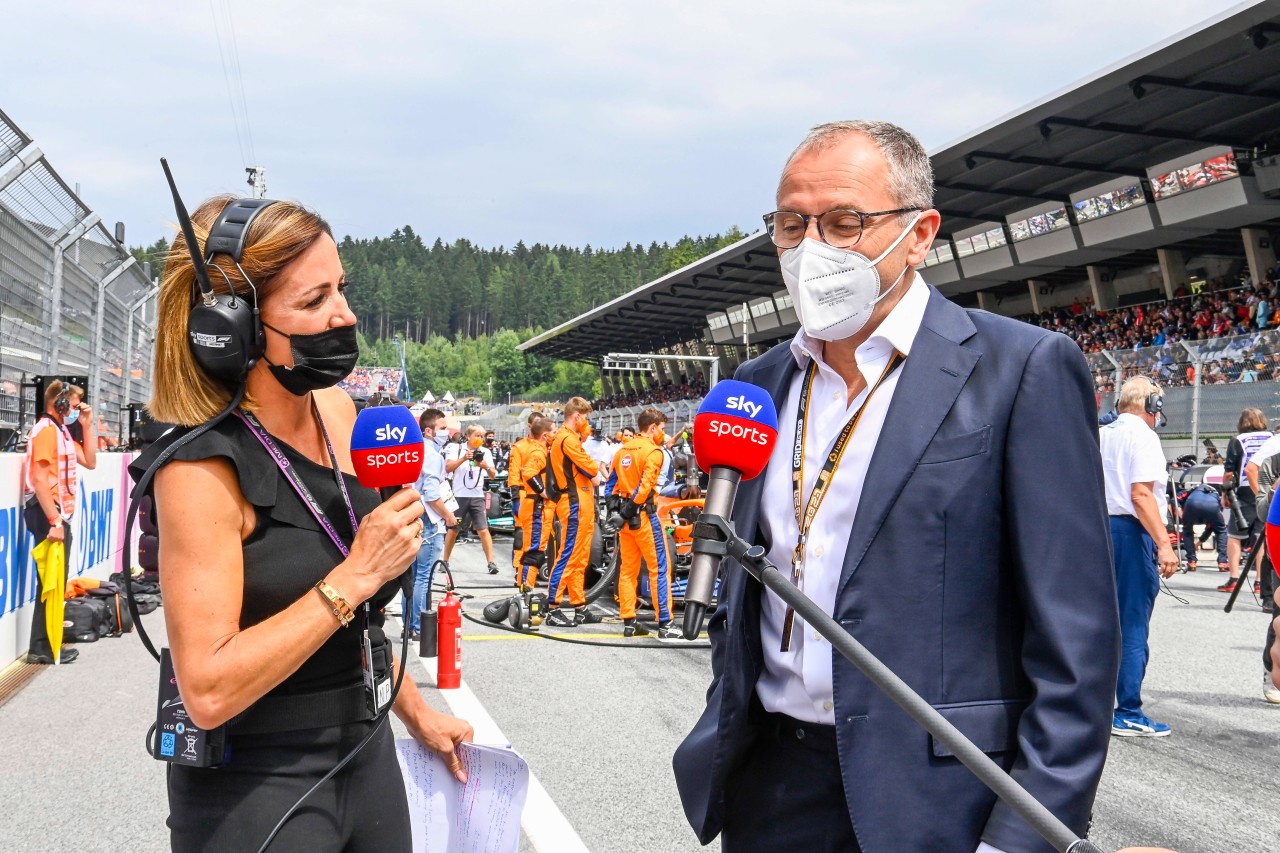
(1206, 383)
(73, 301)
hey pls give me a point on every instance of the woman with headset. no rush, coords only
(276, 570)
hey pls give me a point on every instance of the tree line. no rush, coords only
(461, 309)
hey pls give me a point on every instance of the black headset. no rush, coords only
(224, 329)
(1154, 403)
(62, 403)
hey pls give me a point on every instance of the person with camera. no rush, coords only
(635, 476)
(467, 465)
(274, 600)
(50, 488)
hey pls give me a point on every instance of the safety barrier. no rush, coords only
(97, 529)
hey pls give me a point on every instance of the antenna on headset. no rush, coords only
(189, 235)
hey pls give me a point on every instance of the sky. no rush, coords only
(569, 123)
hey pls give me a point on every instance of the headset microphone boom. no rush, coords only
(733, 436)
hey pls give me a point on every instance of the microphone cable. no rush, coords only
(378, 722)
(140, 489)
(135, 496)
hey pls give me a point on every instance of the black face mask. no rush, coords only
(319, 361)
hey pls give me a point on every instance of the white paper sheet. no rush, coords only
(481, 817)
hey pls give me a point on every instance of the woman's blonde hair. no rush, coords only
(184, 394)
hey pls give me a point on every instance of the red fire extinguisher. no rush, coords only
(449, 650)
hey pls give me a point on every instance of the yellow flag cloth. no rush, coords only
(50, 563)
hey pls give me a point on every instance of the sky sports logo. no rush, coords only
(728, 429)
(411, 455)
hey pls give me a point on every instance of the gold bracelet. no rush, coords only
(336, 602)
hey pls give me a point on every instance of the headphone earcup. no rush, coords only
(225, 337)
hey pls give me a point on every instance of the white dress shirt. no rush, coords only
(1131, 453)
(798, 682)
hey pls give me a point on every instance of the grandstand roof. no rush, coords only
(1216, 85)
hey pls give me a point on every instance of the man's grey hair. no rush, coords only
(910, 172)
(474, 429)
(1134, 393)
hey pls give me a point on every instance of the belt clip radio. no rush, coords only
(178, 740)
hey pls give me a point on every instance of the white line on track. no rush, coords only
(549, 831)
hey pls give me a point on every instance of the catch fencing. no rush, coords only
(1206, 385)
(73, 301)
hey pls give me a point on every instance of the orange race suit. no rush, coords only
(573, 471)
(514, 463)
(636, 467)
(536, 514)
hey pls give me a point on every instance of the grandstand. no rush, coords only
(1151, 187)
(73, 301)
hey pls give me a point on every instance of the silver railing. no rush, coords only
(73, 301)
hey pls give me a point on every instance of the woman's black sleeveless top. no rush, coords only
(288, 551)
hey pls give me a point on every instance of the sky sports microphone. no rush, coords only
(386, 448)
(733, 436)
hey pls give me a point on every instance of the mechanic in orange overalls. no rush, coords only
(576, 475)
(537, 510)
(515, 461)
(636, 467)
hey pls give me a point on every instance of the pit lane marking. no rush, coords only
(546, 827)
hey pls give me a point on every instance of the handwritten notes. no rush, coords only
(482, 816)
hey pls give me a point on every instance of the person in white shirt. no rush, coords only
(437, 519)
(1134, 473)
(961, 537)
(467, 464)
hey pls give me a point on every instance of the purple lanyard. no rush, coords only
(286, 468)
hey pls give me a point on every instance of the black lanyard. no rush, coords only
(805, 513)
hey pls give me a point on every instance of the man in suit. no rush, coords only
(962, 538)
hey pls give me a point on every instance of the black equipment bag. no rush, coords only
(89, 618)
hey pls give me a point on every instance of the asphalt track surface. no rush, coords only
(598, 726)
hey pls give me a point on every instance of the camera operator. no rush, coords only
(467, 465)
(258, 599)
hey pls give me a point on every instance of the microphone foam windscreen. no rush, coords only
(386, 447)
(736, 427)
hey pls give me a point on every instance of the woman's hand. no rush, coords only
(440, 733)
(387, 542)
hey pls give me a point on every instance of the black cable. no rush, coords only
(377, 724)
(140, 489)
(1164, 587)
(135, 499)
(619, 644)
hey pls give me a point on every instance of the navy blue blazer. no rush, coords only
(978, 569)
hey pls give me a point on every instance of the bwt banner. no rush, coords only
(97, 529)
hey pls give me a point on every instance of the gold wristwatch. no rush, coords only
(336, 602)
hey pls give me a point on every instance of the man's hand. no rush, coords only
(86, 415)
(57, 534)
(597, 480)
(450, 520)
(1167, 558)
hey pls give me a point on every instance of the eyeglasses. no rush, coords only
(839, 228)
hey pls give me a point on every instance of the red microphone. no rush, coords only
(386, 447)
(733, 436)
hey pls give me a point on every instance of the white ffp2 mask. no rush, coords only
(835, 290)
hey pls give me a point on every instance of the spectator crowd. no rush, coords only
(1227, 322)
